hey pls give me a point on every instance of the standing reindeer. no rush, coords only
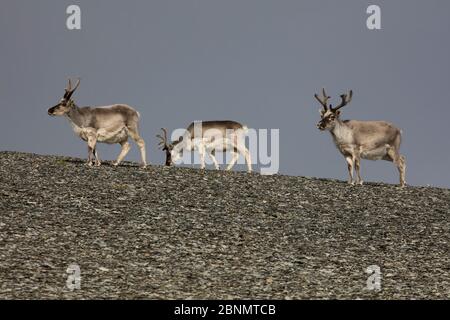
(356, 140)
(109, 124)
(209, 137)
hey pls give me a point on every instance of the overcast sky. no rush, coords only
(255, 61)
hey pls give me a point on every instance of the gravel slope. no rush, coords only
(166, 233)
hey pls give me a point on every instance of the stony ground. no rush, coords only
(178, 233)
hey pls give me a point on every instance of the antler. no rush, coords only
(346, 98)
(163, 145)
(69, 90)
(324, 100)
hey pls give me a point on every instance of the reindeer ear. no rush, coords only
(338, 113)
(321, 111)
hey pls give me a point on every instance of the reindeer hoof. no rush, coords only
(115, 164)
(361, 183)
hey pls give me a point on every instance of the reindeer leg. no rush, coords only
(399, 161)
(125, 148)
(212, 155)
(92, 141)
(401, 165)
(89, 160)
(134, 133)
(239, 143)
(358, 174)
(350, 169)
(97, 158)
(234, 158)
(248, 159)
(201, 152)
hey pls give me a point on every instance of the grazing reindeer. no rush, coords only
(356, 140)
(109, 124)
(209, 137)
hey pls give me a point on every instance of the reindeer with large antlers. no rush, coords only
(110, 124)
(208, 137)
(356, 140)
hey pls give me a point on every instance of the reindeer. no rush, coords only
(356, 140)
(208, 137)
(109, 124)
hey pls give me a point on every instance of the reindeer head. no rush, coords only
(173, 153)
(328, 114)
(66, 103)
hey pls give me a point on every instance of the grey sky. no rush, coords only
(255, 61)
